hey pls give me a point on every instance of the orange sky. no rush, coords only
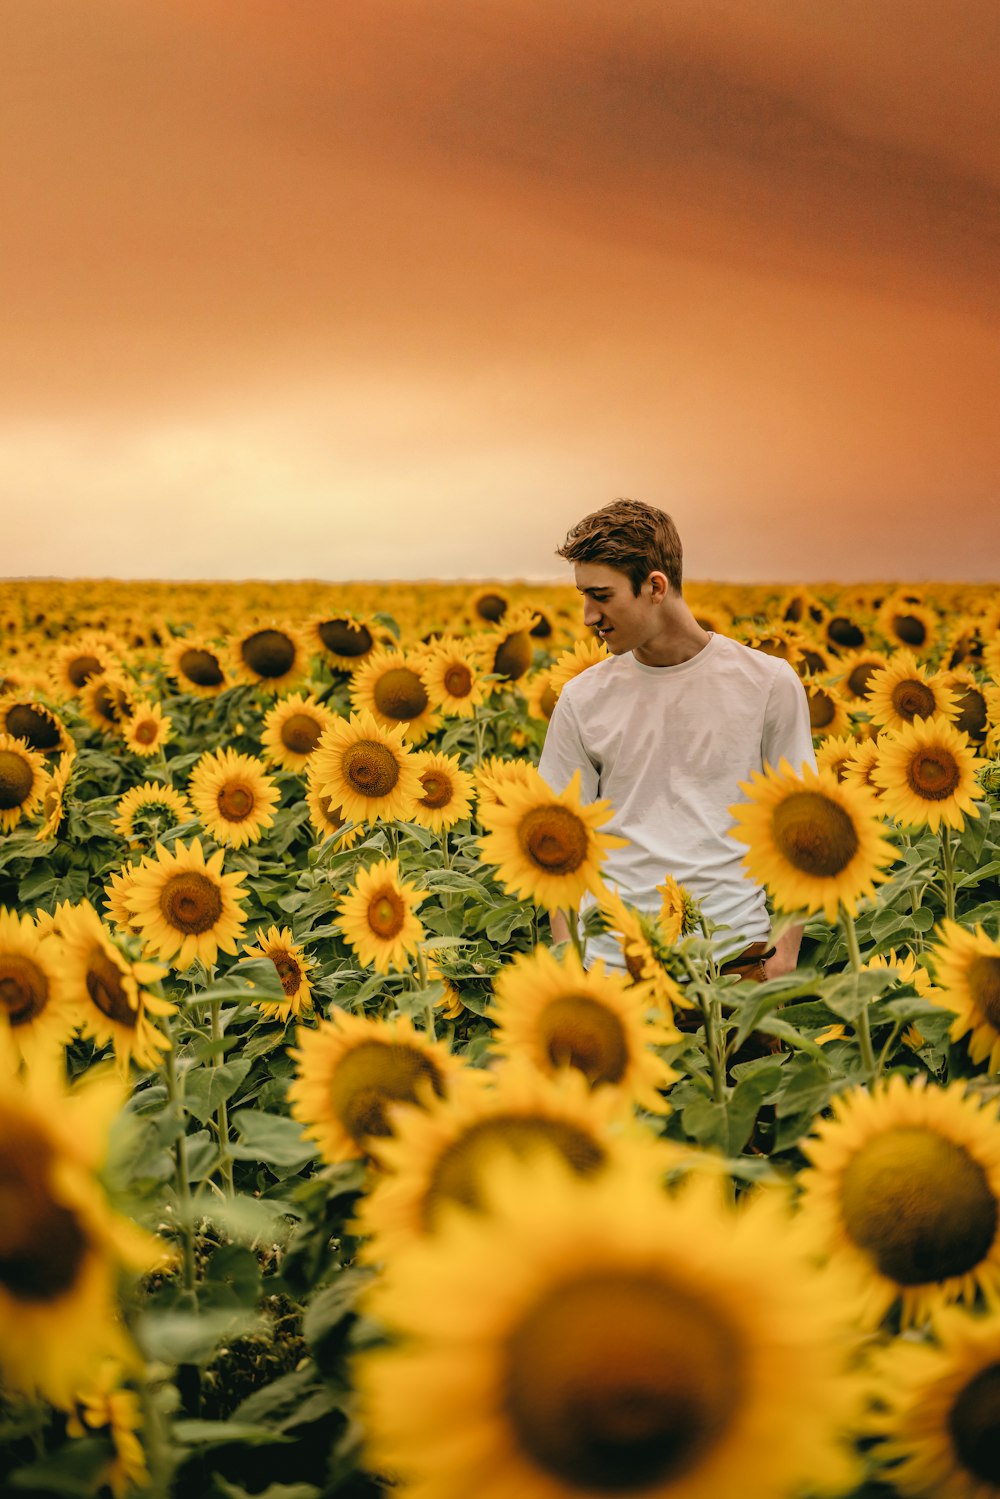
(400, 288)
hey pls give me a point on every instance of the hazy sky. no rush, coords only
(401, 288)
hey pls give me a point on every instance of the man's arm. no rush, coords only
(786, 953)
(559, 927)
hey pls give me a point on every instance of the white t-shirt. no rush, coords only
(667, 747)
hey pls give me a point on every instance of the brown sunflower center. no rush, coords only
(554, 839)
(399, 693)
(289, 971)
(386, 913)
(463, 1166)
(912, 699)
(513, 656)
(111, 703)
(845, 633)
(42, 1244)
(373, 1075)
(235, 801)
(909, 629)
(617, 1382)
(984, 985)
(491, 606)
(334, 815)
(438, 790)
(345, 638)
(814, 833)
(933, 773)
(190, 902)
(548, 700)
(370, 768)
(974, 1425)
(79, 668)
(24, 988)
(202, 668)
(16, 779)
(972, 715)
(859, 677)
(146, 731)
(300, 733)
(577, 1031)
(107, 990)
(34, 725)
(919, 1205)
(822, 709)
(268, 653)
(457, 679)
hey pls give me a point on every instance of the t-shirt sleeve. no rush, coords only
(563, 753)
(787, 732)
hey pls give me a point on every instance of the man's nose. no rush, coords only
(591, 613)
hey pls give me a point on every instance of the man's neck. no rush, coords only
(679, 638)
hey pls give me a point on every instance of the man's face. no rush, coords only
(622, 619)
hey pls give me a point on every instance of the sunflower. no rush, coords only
(785, 645)
(905, 690)
(908, 623)
(645, 947)
(107, 700)
(146, 730)
(185, 908)
(293, 729)
(967, 968)
(22, 781)
(233, 796)
(106, 1408)
(679, 914)
(828, 714)
(447, 790)
(344, 639)
(444, 1153)
(991, 659)
(834, 754)
(488, 606)
(859, 767)
(842, 633)
(291, 965)
(558, 1014)
(540, 697)
(36, 1005)
(74, 663)
(570, 664)
(366, 770)
(116, 894)
(631, 1342)
(377, 918)
(391, 686)
(53, 794)
(328, 820)
(854, 672)
(148, 811)
(197, 665)
(545, 844)
(938, 1412)
(814, 842)
(904, 1186)
(24, 717)
(61, 1248)
(507, 652)
(350, 1069)
(272, 656)
(971, 705)
(927, 771)
(453, 680)
(113, 1004)
(495, 777)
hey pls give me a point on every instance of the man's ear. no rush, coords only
(659, 586)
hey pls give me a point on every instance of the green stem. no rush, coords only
(948, 866)
(862, 1028)
(711, 1010)
(422, 984)
(222, 1112)
(445, 850)
(182, 1184)
(575, 935)
(477, 729)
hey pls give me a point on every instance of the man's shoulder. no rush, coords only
(596, 680)
(734, 655)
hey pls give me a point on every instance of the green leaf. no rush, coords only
(807, 1089)
(270, 1138)
(749, 1094)
(73, 1471)
(173, 1337)
(222, 1433)
(326, 1316)
(206, 1087)
(704, 1120)
(225, 1490)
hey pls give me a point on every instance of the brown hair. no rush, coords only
(636, 539)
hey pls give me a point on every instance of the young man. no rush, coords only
(665, 730)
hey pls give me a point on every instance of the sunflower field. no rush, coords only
(326, 1171)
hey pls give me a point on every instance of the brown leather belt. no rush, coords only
(754, 956)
